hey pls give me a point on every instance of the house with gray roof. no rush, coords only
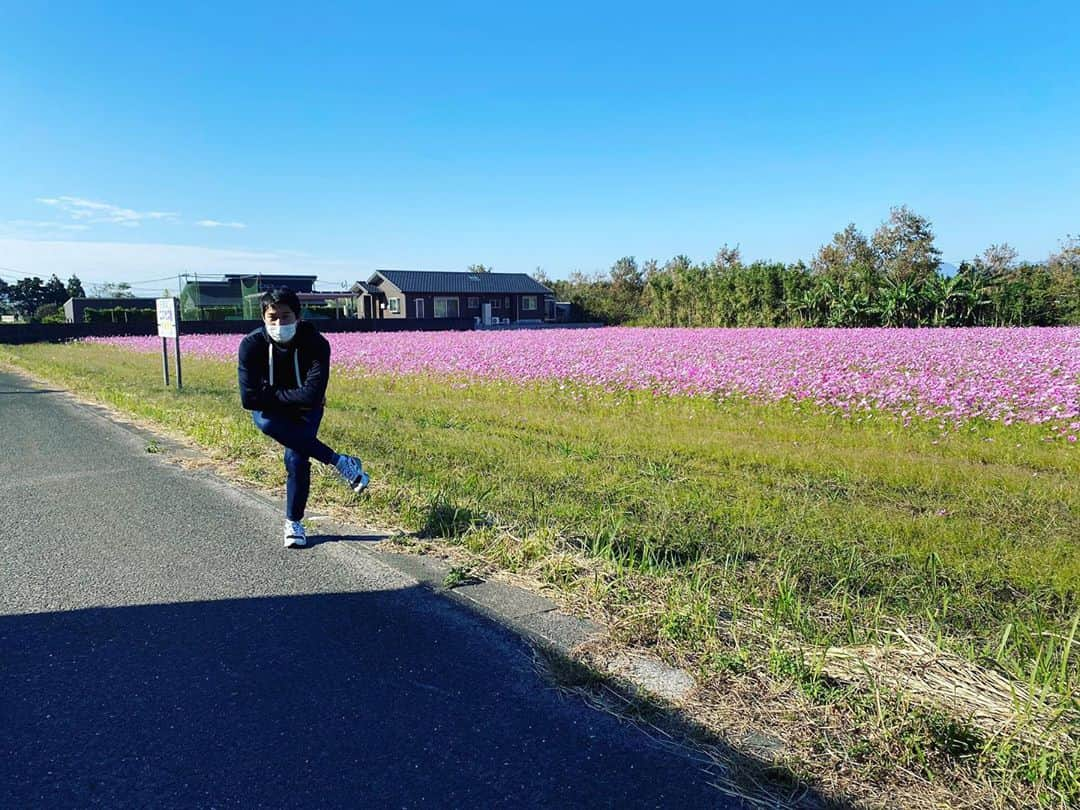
(430, 294)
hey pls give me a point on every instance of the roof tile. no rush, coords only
(437, 281)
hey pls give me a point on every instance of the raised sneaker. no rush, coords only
(352, 471)
(295, 536)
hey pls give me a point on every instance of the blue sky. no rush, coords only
(139, 142)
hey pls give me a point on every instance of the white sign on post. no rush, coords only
(168, 314)
(166, 317)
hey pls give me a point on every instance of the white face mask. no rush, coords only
(281, 333)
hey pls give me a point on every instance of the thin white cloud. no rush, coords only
(93, 211)
(37, 226)
(85, 212)
(213, 223)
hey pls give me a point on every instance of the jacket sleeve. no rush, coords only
(255, 392)
(313, 392)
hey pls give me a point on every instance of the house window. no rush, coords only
(528, 303)
(446, 308)
(506, 302)
(419, 307)
(395, 306)
(474, 302)
(495, 304)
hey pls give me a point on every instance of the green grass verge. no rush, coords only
(830, 531)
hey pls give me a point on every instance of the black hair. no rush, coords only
(280, 295)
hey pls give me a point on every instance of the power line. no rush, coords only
(19, 275)
(150, 280)
(137, 283)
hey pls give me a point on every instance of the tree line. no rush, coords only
(36, 300)
(39, 300)
(892, 278)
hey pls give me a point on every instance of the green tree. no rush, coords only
(684, 288)
(718, 293)
(112, 290)
(846, 269)
(848, 252)
(849, 305)
(541, 277)
(904, 248)
(900, 302)
(811, 304)
(590, 295)
(973, 297)
(1068, 258)
(479, 268)
(997, 260)
(26, 295)
(48, 313)
(660, 299)
(1064, 268)
(959, 300)
(626, 288)
(1026, 296)
(55, 291)
(75, 288)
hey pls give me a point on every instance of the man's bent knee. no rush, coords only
(270, 425)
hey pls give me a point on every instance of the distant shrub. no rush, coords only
(48, 313)
(219, 313)
(317, 312)
(119, 315)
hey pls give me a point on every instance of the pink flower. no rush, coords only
(951, 376)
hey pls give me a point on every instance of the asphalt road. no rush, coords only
(159, 648)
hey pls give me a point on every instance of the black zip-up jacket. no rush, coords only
(282, 378)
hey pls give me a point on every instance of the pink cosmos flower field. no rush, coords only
(1007, 375)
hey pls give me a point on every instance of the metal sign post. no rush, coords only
(179, 375)
(168, 320)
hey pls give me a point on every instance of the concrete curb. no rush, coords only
(523, 611)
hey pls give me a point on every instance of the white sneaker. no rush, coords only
(350, 469)
(295, 536)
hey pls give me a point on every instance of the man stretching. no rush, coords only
(284, 368)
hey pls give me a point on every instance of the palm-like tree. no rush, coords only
(899, 303)
(942, 296)
(849, 307)
(660, 293)
(812, 305)
(971, 298)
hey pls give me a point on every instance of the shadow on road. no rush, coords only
(336, 699)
